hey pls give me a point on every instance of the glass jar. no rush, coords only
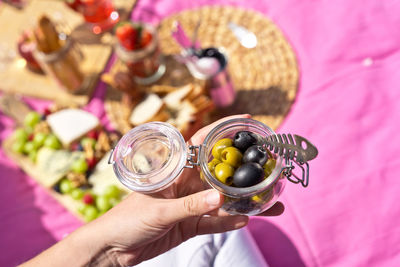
(248, 200)
(146, 64)
(63, 66)
(99, 14)
(149, 157)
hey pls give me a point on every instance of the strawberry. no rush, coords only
(88, 199)
(75, 146)
(93, 134)
(127, 35)
(91, 163)
(47, 111)
(146, 38)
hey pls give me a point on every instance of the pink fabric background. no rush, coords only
(347, 104)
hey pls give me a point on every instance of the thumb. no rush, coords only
(194, 205)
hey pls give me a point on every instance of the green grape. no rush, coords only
(77, 193)
(20, 135)
(29, 130)
(52, 142)
(114, 201)
(79, 166)
(33, 155)
(39, 139)
(66, 186)
(31, 119)
(81, 207)
(90, 213)
(112, 191)
(29, 147)
(88, 141)
(18, 147)
(103, 203)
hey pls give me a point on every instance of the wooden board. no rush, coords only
(28, 167)
(96, 49)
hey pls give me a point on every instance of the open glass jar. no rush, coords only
(151, 156)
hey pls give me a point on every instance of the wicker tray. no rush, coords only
(265, 77)
(15, 78)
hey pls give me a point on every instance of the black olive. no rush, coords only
(248, 174)
(255, 154)
(56, 188)
(213, 52)
(243, 140)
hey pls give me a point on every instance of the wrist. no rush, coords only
(84, 247)
(92, 246)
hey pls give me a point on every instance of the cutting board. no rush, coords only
(96, 49)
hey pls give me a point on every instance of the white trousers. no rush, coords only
(231, 249)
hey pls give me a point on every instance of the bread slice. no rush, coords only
(185, 116)
(146, 110)
(71, 124)
(174, 99)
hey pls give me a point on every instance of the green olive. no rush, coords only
(232, 156)
(219, 146)
(263, 197)
(224, 173)
(269, 166)
(211, 165)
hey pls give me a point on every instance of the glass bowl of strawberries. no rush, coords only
(138, 48)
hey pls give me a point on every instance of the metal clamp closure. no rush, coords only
(293, 148)
(193, 157)
(110, 157)
(291, 176)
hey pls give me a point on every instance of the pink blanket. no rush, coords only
(347, 104)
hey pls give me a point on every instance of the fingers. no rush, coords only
(193, 205)
(277, 209)
(212, 225)
(199, 136)
(219, 212)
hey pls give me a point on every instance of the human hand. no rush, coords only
(144, 226)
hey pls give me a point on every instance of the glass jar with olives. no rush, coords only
(234, 158)
(235, 161)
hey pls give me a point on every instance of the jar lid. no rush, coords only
(149, 157)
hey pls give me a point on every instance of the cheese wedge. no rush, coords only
(54, 164)
(71, 124)
(103, 176)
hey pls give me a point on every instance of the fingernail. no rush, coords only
(240, 221)
(213, 198)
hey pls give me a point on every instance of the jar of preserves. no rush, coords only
(143, 59)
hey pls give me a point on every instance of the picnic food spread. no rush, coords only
(70, 159)
(151, 85)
